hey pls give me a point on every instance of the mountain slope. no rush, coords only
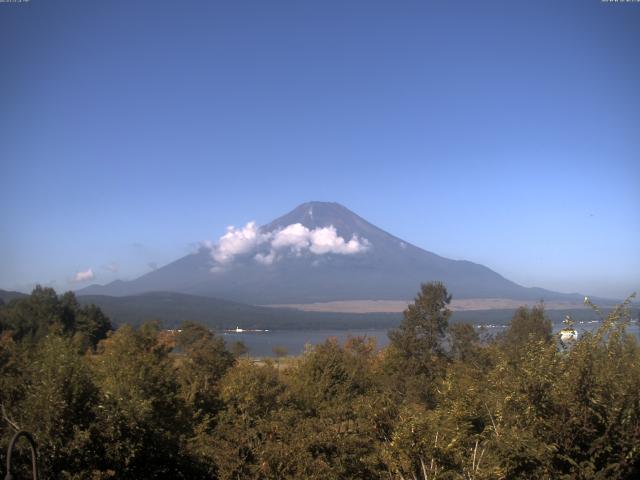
(379, 266)
(6, 295)
(172, 308)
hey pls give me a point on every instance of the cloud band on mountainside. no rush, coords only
(295, 239)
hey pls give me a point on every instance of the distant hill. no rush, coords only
(6, 296)
(298, 258)
(172, 308)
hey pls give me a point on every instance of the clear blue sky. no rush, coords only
(503, 132)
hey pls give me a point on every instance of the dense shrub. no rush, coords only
(438, 403)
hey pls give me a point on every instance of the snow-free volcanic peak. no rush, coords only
(386, 268)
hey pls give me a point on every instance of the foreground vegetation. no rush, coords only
(438, 403)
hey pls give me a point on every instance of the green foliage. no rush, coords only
(465, 342)
(51, 396)
(329, 375)
(416, 356)
(33, 317)
(250, 394)
(238, 349)
(528, 325)
(58, 406)
(205, 361)
(140, 413)
(438, 403)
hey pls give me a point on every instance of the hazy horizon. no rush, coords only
(500, 133)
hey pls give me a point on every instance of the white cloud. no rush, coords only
(326, 240)
(83, 276)
(268, 248)
(294, 236)
(237, 242)
(320, 241)
(266, 259)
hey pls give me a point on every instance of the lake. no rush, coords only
(261, 344)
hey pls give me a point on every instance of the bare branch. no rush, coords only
(480, 459)
(8, 420)
(495, 428)
(424, 469)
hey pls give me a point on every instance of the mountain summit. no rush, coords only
(323, 214)
(318, 252)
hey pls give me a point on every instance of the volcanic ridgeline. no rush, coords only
(320, 252)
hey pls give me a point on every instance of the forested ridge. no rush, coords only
(440, 402)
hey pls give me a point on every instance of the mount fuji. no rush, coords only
(319, 252)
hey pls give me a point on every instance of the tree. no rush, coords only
(328, 377)
(91, 325)
(527, 325)
(32, 318)
(140, 415)
(464, 342)
(342, 414)
(251, 394)
(56, 404)
(238, 349)
(416, 355)
(205, 361)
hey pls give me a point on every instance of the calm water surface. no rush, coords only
(261, 344)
